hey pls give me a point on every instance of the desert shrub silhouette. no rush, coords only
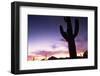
(85, 55)
(52, 58)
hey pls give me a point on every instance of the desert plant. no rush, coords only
(85, 55)
(70, 36)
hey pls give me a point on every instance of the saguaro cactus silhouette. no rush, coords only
(70, 34)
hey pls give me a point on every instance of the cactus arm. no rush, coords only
(76, 28)
(64, 34)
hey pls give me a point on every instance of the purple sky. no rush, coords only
(44, 33)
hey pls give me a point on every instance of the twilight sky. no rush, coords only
(44, 34)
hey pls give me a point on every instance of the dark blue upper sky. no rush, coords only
(44, 31)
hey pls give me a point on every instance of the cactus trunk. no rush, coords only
(72, 48)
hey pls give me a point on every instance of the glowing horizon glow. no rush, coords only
(57, 55)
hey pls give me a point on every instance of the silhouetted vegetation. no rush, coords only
(70, 36)
(52, 58)
(85, 55)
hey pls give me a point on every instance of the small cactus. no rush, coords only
(69, 36)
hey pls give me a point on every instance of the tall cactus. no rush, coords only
(69, 35)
